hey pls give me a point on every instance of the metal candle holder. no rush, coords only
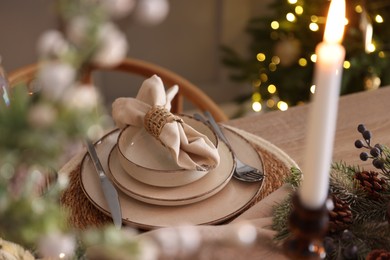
(308, 228)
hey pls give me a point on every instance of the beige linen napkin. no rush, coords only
(150, 109)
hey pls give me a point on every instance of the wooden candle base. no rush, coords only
(308, 228)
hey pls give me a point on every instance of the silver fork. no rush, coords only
(243, 172)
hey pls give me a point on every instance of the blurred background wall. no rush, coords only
(187, 41)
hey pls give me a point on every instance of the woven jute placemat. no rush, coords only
(83, 214)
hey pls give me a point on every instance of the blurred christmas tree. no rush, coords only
(282, 51)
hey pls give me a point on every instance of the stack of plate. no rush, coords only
(153, 192)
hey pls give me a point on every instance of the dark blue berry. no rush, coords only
(359, 144)
(329, 245)
(367, 135)
(364, 156)
(375, 152)
(378, 163)
(379, 147)
(361, 128)
(350, 252)
(347, 235)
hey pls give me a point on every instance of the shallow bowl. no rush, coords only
(145, 159)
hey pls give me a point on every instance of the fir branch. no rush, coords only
(294, 178)
(367, 210)
(342, 182)
(374, 234)
(280, 218)
(386, 160)
(343, 242)
(343, 167)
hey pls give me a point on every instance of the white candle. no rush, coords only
(323, 115)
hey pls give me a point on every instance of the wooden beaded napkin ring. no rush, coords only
(156, 118)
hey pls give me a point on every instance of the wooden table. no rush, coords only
(287, 129)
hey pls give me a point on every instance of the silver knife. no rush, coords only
(110, 193)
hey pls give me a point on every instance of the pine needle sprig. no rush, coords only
(280, 220)
(294, 178)
(386, 166)
(375, 235)
(344, 243)
(366, 210)
(342, 182)
(345, 168)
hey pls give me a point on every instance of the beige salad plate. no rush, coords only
(231, 200)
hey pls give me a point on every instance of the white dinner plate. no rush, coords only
(232, 200)
(196, 191)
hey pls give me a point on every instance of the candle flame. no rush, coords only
(335, 23)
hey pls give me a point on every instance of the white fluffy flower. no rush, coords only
(118, 8)
(112, 46)
(82, 97)
(148, 250)
(52, 43)
(12, 251)
(41, 115)
(62, 181)
(76, 30)
(151, 12)
(55, 77)
(57, 246)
